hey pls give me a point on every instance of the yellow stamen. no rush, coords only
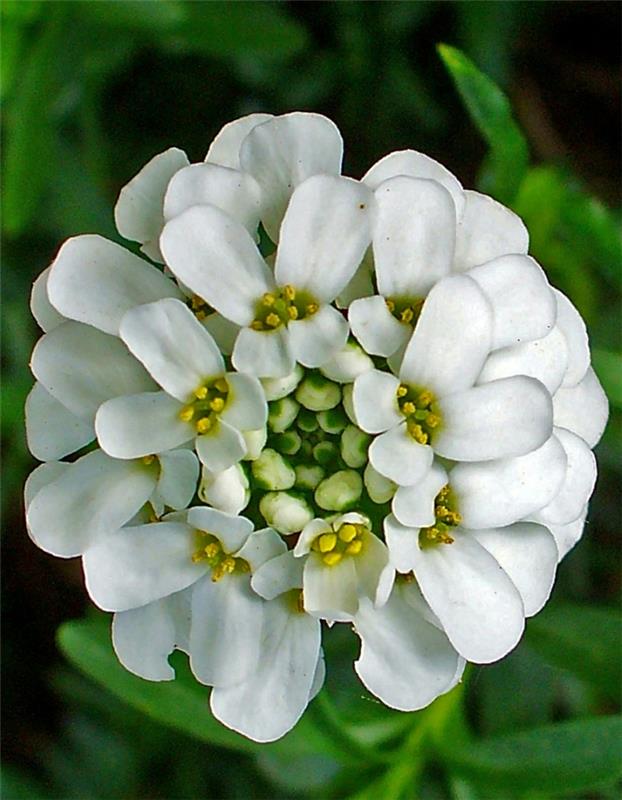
(402, 390)
(201, 393)
(390, 305)
(268, 299)
(409, 407)
(204, 424)
(425, 398)
(197, 557)
(292, 312)
(327, 542)
(300, 602)
(273, 320)
(197, 302)
(217, 404)
(186, 414)
(432, 420)
(148, 460)
(289, 292)
(331, 559)
(257, 325)
(200, 315)
(228, 565)
(311, 308)
(407, 315)
(221, 385)
(347, 532)
(354, 548)
(212, 550)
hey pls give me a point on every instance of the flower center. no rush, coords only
(416, 406)
(210, 399)
(447, 518)
(347, 540)
(405, 309)
(199, 307)
(210, 550)
(282, 306)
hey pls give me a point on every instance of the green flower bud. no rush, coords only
(285, 512)
(308, 476)
(272, 471)
(332, 421)
(288, 442)
(317, 393)
(354, 446)
(276, 388)
(340, 491)
(346, 401)
(307, 421)
(379, 488)
(325, 453)
(282, 413)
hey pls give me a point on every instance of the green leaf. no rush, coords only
(608, 367)
(490, 110)
(585, 641)
(142, 16)
(554, 759)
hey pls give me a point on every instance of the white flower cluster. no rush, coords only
(345, 400)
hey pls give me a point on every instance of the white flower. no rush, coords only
(286, 317)
(199, 400)
(434, 405)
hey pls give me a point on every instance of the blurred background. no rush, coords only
(90, 92)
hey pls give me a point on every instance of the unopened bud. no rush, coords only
(255, 443)
(317, 393)
(285, 512)
(282, 413)
(288, 443)
(308, 476)
(340, 491)
(276, 388)
(271, 471)
(379, 488)
(332, 421)
(350, 362)
(354, 446)
(227, 490)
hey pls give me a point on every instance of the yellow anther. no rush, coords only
(197, 557)
(432, 420)
(228, 565)
(441, 511)
(201, 393)
(217, 404)
(268, 299)
(204, 424)
(402, 390)
(273, 320)
(289, 293)
(407, 315)
(311, 308)
(390, 305)
(425, 398)
(217, 573)
(432, 533)
(148, 460)
(242, 565)
(221, 385)
(197, 302)
(445, 538)
(347, 532)
(200, 315)
(292, 312)
(456, 518)
(332, 558)
(257, 325)
(418, 434)
(300, 602)
(186, 414)
(354, 548)
(327, 542)
(212, 550)
(409, 407)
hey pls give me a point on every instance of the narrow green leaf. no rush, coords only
(585, 641)
(490, 110)
(555, 759)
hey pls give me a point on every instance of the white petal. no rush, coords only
(521, 298)
(416, 165)
(246, 408)
(330, 593)
(375, 401)
(347, 364)
(141, 424)
(283, 152)
(209, 184)
(40, 477)
(179, 473)
(571, 324)
(310, 531)
(93, 497)
(545, 359)
(528, 555)
(452, 338)
(319, 677)
(317, 339)
(217, 259)
(566, 536)
(578, 484)
(279, 575)
(261, 547)
(277, 388)
(582, 409)
(413, 236)
(495, 493)
(134, 566)
(138, 212)
(361, 283)
(404, 660)
(374, 572)
(225, 148)
(225, 635)
(324, 235)
(52, 431)
(414, 505)
(272, 699)
(222, 331)
(380, 333)
(227, 490)
(220, 447)
(173, 346)
(143, 638)
(82, 367)
(266, 354)
(477, 604)
(487, 230)
(95, 281)
(500, 419)
(397, 456)
(42, 310)
(403, 544)
(231, 530)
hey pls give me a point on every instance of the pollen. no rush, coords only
(292, 312)
(201, 392)
(217, 404)
(273, 320)
(204, 424)
(289, 292)
(327, 542)
(347, 532)
(447, 519)
(402, 390)
(354, 548)
(268, 300)
(186, 414)
(332, 558)
(344, 540)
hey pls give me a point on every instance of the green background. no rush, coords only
(90, 91)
